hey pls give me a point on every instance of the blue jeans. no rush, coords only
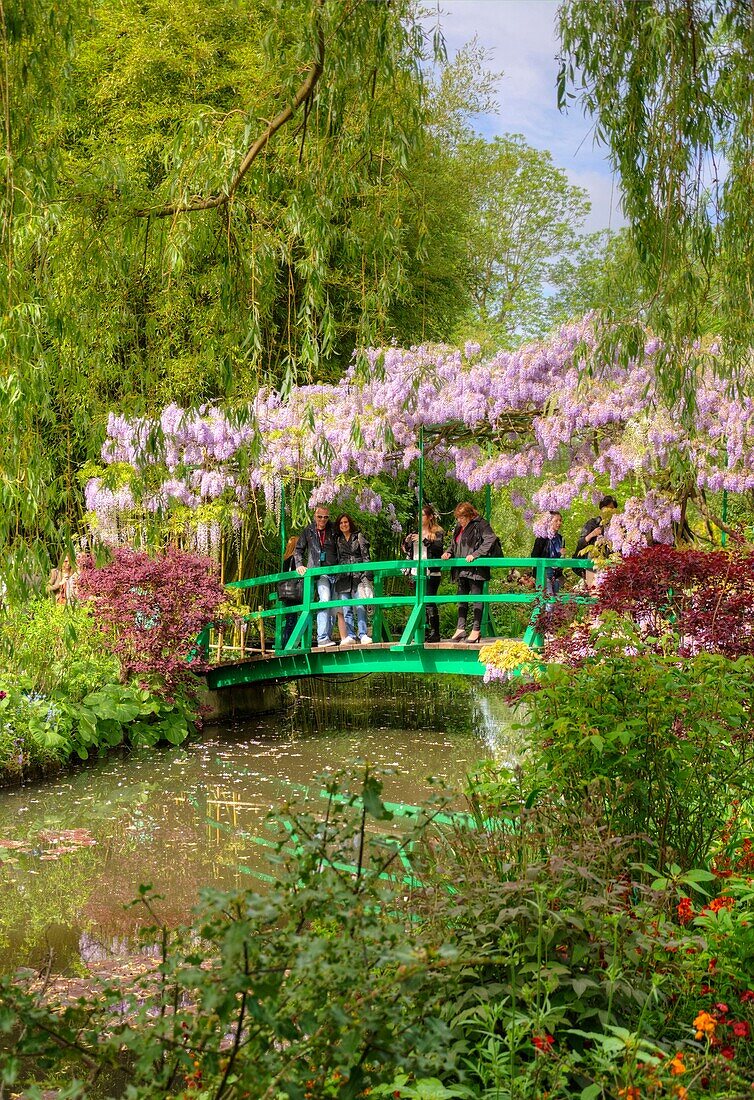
(552, 583)
(361, 618)
(326, 618)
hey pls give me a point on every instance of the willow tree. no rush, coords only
(669, 84)
(200, 197)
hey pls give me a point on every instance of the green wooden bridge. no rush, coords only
(245, 652)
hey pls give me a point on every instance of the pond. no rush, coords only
(75, 849)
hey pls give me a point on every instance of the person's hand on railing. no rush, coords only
(445, 556)
(300, 569)
(470, 557)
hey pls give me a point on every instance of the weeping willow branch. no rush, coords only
(302, 96)
(699, 500)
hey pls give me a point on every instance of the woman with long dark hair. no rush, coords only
(432, 536)
(352, 549)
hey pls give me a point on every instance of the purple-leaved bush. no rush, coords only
(151, 609)
(691, 601)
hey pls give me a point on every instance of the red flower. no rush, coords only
(728, 1052)
(748, 995)
(685, 911)
(543, 1042)
(740, 1029)
(723, 902)
(722, 1008)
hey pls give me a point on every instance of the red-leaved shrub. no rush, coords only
(703, 600)
(151, 609)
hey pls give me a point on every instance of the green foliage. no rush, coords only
(662, 743)
(524, 218)
(62, 695)
(669, 87)
(38, 731)
(502, 972)
(56, 648)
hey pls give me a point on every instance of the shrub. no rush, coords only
(448, 962)
(682, 601)
(668, 742)
(51, 648)
(152, 609)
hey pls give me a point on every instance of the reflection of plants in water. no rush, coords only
(391, 702)
(51, 868)
(34, 903)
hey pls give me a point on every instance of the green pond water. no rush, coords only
(78, 846)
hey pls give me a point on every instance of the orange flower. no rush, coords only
(723, 902)
(681, 1092)
(685, 910)
(705, 1025)
(630, 1092)
(677, 1066)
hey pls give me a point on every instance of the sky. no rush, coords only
(520, 36)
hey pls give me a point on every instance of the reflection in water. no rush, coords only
(180, 818)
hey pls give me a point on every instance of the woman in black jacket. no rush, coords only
(352, 549)
(432, 540)
(473, 538)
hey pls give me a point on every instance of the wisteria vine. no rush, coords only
(539, 411)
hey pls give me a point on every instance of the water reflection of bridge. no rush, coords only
(244, 652)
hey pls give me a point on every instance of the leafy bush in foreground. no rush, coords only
(665, 743)
(450, 961)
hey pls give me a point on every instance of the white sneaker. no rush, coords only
(365, 639)
(327, 642)
(347, 641)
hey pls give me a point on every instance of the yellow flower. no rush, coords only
(508, 654)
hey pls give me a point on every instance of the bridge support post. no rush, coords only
(488, 626)
(532, 636)
(421, 580)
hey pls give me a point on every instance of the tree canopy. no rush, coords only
(208, 198)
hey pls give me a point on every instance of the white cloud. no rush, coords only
(521, 38)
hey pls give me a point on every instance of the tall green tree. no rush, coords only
(525, 217)
(200, 198)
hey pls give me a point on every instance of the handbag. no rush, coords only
(365, 589)
(292, 588)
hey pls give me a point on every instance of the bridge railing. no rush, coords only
(220, 648)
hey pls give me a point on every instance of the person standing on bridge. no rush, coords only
(473, 538)
(432, 537)
(318, 546)
(352, 549)
(550, 545)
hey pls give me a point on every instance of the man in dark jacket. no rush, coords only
(550, 546)
(592, 541)
(318, 545)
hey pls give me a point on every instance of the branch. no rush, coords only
(303, 95)
(710, 516)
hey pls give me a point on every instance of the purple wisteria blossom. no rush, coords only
(522, 414)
